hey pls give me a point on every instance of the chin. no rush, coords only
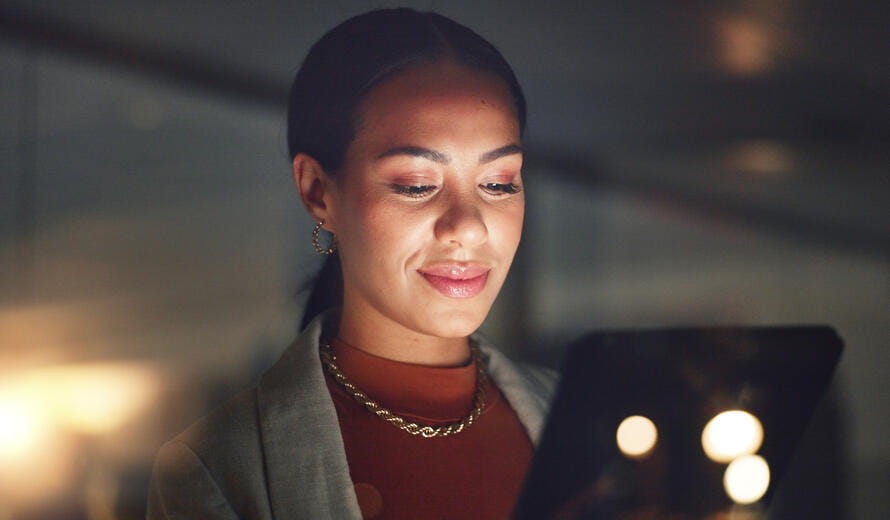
(452, 323)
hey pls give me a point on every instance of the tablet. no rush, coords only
(695, 423)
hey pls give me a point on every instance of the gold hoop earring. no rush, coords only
(317, 245)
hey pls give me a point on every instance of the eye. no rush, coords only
(501, 189)
(415, 192)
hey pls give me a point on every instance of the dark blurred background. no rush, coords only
(689, 162)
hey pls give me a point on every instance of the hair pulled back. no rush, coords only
(344, 65)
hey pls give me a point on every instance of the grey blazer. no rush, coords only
(275, 451)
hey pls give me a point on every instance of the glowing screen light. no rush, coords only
(730, 435)
(746, 479)
(636, 436)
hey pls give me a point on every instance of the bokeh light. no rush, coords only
(746, 479)
(731, 434)
(760, 159)
(23, 425)
(747, 45)
(36, 458)
(48, 413)
(636, 436)
(97, 398)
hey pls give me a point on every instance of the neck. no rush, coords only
(368, 330)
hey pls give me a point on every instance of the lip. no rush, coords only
(457, 280)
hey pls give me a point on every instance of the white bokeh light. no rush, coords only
(636, 436)
(730, 435)
(746, 479)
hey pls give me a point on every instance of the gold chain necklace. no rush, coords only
(328, 359)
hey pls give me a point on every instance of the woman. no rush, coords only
(404, 129)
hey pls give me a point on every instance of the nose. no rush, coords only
(461, 224)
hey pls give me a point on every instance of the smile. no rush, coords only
(457, 280)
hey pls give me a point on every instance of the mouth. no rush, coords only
(456, 280)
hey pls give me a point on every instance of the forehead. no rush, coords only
(438, 102)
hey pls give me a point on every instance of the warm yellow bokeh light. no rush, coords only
(91, 398)
(41, 408)
(749, 47)
(636, 436)
(98, 398)
(746, 479)
(35, 455)
(730, 435)
(23, 425)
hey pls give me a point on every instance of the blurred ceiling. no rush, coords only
(773, 113)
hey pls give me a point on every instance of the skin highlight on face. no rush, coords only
(428, 210)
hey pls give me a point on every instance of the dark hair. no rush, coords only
(344, 65)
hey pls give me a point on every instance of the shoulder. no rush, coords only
(229, 440)
(214, 468)
(232, 425)
(267, 448)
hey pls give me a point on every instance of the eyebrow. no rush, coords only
(442, 158)
(417, 151)
(503, 151)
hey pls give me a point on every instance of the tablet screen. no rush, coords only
(677, 423)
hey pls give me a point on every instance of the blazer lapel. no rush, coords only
(528, 390)
(306, 468)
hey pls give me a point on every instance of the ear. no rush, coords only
(317, 190)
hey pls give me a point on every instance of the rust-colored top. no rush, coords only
(475, 474)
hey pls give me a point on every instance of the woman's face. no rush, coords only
(428, 206)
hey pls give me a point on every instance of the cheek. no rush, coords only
(509, 223)
(381, 230)
(384, 224)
